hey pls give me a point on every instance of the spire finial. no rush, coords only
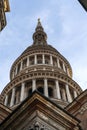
(39, 23)
(38, 20)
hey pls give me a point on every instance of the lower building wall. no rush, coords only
(83, 117)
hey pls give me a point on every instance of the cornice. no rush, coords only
(78, 103)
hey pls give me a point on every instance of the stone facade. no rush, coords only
(38, 112)
(78, 108)
(4, 7)
(41, 90)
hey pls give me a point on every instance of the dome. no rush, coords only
(40, 67)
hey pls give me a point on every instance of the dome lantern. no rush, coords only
(39, 37)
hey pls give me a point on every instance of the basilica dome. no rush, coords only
(40, 67)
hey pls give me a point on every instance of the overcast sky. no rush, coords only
(64, 21)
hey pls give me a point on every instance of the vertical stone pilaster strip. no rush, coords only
(33, 85)
(6, 100)
(13, 97)
(68, 93)
(45, 88)
(58, 89)
(22, 97)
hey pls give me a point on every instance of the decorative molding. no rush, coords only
(83, 108)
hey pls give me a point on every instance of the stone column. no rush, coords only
(75, 94)
(68, 72)
(35, 59)
(45, 88)
(68, 93)
(51, 60)
(64, 95)
(16, 69)
(21, 65)
(58, 89)
(6, 100)
(12, 97)
(33, 85)
(13, 74)
(43, 58)
(64, 67)
(58, 63)
(27, 61)
(22, 97)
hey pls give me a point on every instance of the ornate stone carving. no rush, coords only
(37, 126)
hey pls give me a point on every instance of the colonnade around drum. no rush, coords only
(39, 59)
(50, 88)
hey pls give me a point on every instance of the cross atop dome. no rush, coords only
(39, 37)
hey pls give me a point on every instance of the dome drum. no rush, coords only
(55, 88)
